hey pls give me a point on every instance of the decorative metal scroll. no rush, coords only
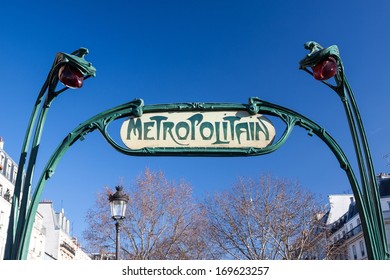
(135, 109)
(224, 129)
(368, 198)
(260, 129)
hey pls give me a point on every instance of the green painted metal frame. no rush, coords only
(366, 193)
(102, 121)
(375, 234)
(34, 131)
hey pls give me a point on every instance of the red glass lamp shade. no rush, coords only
(325, 69)
(70, 76)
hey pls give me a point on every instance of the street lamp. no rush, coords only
(118, 202)
(71, 70)
(327, 64)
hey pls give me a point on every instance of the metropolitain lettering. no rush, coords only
(197, 130)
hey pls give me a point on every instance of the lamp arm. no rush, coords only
(369, 186)
(16, 199)
(35, 127)
(51, 82)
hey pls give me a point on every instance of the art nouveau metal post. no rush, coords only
(71, 69)
(326, 64)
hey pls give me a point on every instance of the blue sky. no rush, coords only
(192, 51)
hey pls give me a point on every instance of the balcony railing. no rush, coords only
(353, 231)
(68, 247)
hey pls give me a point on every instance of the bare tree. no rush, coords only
(162, 221)
(267, 218)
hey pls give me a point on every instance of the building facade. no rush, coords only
(60, 245)
(345, 230)
(50, 238)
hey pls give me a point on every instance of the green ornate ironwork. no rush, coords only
(365, 193)
(31, 143)
(102, 121)
(370, 209)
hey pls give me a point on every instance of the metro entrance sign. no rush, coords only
(209, 129)
(250, 118)
(192, 130)
(143, 122)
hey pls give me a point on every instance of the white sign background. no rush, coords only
(226, 129)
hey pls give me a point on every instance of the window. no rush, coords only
(2, 160)
(1, 246)
(354, 252)
(388, 204)
(15, 174)
(41, 247)
(34, 245)
(2, 218)
(357, 221)
(7, 196)
(362, 249)
(8, 171)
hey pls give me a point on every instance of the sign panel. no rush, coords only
(230, 129)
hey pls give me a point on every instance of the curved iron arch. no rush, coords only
(136, 108)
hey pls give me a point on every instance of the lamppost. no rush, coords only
(325, 63)
(118, 202)
(71, 70)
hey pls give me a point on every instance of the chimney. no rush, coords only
(1, 143)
